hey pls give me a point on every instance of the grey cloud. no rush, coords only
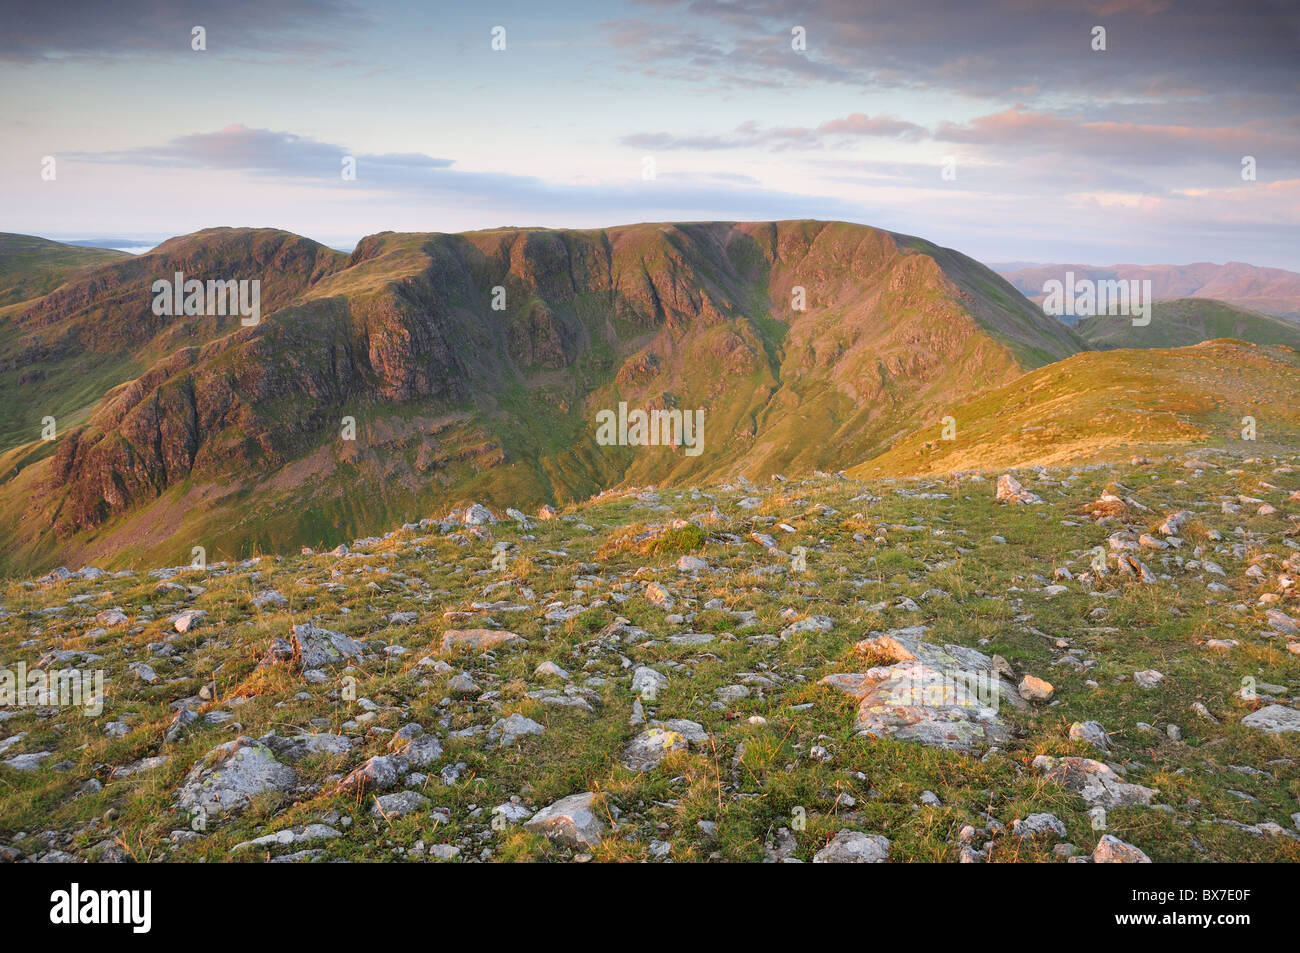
(113, 29)
(270, 153)
(1184, 52)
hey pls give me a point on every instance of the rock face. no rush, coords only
(1093, 781)
(854, 847)
(228, 778)
(571, 821)
(944, 697)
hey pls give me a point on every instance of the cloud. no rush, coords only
(750, 134)
(405, 178)
(37, 30)
(1192, 51)
(269, 152)
(1016, 131)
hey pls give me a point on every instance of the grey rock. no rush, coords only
(571, 821)
(229, 776)
(854, 847)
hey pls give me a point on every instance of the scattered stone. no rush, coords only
(508, 731)
(477, 639)
(854, 847)
(1009, 490)
(1038, 825)
(1035, 689)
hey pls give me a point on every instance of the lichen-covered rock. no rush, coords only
(297, 747)
(398, 804)
(648, 749)
(941, 696)
(320, 648)
(230, 776)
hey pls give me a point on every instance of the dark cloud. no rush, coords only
(1176, 51)
(112, 29)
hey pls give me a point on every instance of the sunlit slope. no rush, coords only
(1111, 405)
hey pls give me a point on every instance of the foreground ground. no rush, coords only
(715, 674)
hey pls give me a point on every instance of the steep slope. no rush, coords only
(31, 266)
(60, 353)
(1109, 405)
(1273, 291)
(1186, 321)
(240, 443)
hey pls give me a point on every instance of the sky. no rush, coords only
(993, 127)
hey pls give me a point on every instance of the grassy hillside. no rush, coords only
(60, 353)
(1110, 405)
(31, 266)
(1186, 321)
(745, 750)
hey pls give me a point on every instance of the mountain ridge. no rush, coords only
(455, 399)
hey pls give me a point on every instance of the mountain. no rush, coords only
(1185, 321)
(1270, 290)
(31, 266)
(1110, 405)
(211, 433)
(62, 352)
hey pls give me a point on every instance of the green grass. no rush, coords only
(749, 779)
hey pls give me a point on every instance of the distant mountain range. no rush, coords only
(1269, 290)
(473, 367)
